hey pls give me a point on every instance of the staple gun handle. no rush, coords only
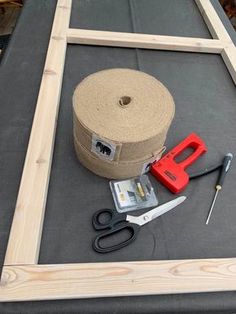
(194, 142)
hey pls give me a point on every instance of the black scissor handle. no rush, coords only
(133, 228)
(113, 219)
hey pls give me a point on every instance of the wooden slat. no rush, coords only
(212, 20)
(218, 31)
(25, 236)
(46, 282)
(229, 56)
(134, 40)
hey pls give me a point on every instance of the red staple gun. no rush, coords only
(173, 174)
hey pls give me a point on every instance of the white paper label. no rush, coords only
(104, 149)
(125, 193)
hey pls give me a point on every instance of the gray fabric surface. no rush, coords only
(205, 103)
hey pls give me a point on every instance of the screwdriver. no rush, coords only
(224, 169)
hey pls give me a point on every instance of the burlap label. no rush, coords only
(103, 149)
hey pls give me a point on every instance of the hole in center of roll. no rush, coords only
(124, 101)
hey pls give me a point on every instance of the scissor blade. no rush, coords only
(156, 212)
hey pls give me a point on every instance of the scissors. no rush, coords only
(120, 221)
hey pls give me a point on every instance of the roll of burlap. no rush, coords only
(121, 118)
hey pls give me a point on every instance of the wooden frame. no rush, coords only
(22, 278)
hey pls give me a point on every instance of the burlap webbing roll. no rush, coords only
(132, 152)
(110, 169)
(126, 111)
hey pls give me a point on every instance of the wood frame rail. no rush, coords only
(22, 278)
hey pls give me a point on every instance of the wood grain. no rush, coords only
(25, 235)
(132, 40)
(47, 282)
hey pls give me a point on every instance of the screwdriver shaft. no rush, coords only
(224, 169)
(218, 188)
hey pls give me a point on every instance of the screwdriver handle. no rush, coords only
(225, 168)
